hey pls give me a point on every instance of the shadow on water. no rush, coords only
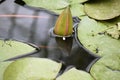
(33, 26)
(1, 1)
(20, 2)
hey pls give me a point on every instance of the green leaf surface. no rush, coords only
(10, 49)
(114, 32)
(47, 4)
(3, 66)
(92, 35)
(114, 27)
(111, 22)
(32, 69)
(74, 74)
(107, 68)
(103, 9)
(76, 10)
(76, 1)
(57, 6)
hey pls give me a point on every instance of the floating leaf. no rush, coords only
(112, 22)
(76, 10)
(114, 32)
(57, 6)
(47, 4)
(92, 35)
(11, 48)
(64, 23)
(76, 1)
(114, 27)
(3, 66)
(32, 69)
(107, 68)
(103, 9)
(74, 74)
(118, 27)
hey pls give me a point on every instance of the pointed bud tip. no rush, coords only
(64, 23)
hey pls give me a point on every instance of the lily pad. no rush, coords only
(11, 49)
(76, 1)
(3, 66)
(47, 4)
(57, 6)
(32, 69)
(114, 32)
(107, 68)
(74, 74)
(92, 35)
(103, 9)
(112, 22)
(76, 10)
(114, 27)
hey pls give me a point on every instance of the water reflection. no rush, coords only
(79, 58)
(65, 44)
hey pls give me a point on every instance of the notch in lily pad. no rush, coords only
(64, 25)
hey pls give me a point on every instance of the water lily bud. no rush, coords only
(64, 23)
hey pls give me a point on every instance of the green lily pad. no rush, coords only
(74, 74)
(92, 35)
(32, 69)
(3, 66)
(76, 1)
(112, 22)
(114, 32)
(114, 27)
(47, 4)
(57, 6)
(103, 9)
(76, 10)
(107, 68)
(11, 48)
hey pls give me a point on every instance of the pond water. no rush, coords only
(32, 26)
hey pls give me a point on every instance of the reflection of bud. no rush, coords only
(65, 45)
(63, 26)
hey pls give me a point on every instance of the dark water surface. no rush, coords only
(28, 25)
